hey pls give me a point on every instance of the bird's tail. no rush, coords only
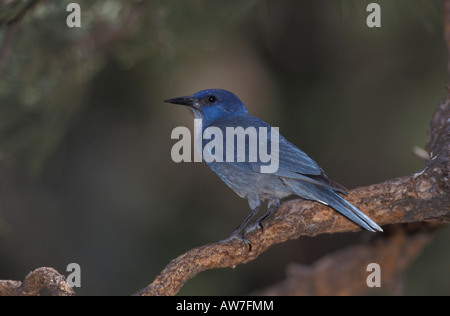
(328, 197)
(351, 212)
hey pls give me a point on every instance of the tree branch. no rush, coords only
(35, 281)
(424, 196)
(344, 272)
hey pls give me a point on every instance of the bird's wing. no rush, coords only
(292, 162)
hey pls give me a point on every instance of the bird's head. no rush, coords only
(212, 104)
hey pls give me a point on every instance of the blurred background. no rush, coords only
(86, 174)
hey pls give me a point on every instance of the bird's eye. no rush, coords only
(212, 99)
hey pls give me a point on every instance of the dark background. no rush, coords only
(86, 174)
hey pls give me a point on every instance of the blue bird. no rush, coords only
(297, 174)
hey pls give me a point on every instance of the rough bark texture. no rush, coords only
(35, 281)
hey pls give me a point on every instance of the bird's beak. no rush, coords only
(187, 101)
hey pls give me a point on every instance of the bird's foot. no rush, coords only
(240, 237)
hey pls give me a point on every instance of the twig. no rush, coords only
(35, 281)
(420, 153)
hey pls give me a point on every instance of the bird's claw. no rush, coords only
(239, 237)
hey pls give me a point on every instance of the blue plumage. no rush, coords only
(297, 174)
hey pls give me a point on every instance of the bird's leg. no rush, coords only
(255, 204)
(272, 207)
